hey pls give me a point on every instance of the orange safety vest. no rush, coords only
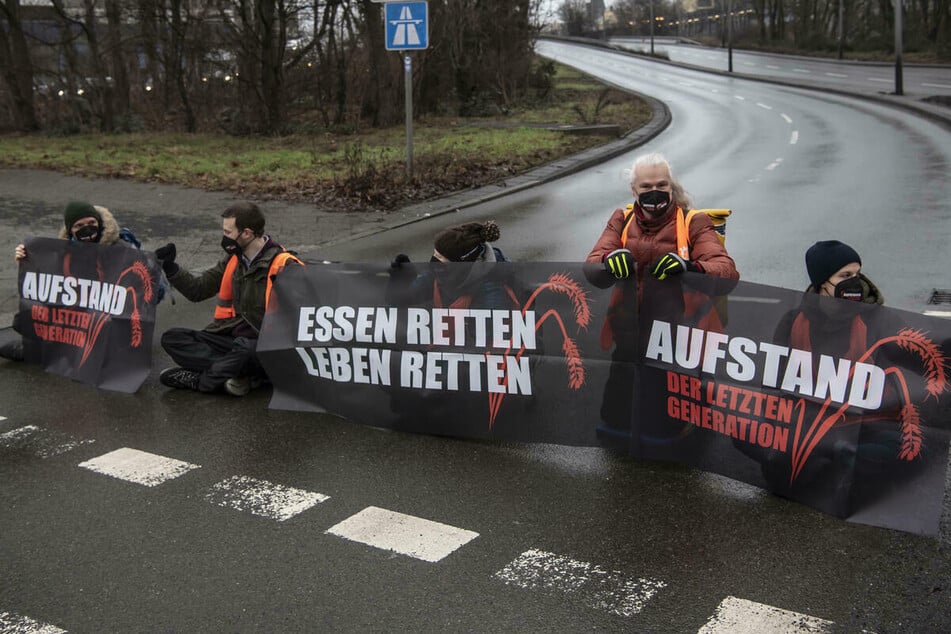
(225, 306)
(717, 217)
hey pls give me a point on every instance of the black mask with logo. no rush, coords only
(89, 233)
(654, 202)
(851, 289)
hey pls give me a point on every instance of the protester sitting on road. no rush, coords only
(82, 222)
(223, 355)
(646, 239)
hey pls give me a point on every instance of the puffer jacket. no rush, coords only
(249, 285)
(650, 238)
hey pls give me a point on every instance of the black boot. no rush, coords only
(12, 350)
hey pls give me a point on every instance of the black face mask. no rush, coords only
(230, 245)
(654, 202)
(850, 288)
(89, 233)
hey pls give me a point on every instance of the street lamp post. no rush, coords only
(899, 27)
(729, 35)
(652, 27)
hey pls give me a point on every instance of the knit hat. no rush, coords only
(465, 243)
(826, 257)
(77, 211)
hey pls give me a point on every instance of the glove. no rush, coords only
(399, 261)
(620, 263)
(672, 264)
(166, 255)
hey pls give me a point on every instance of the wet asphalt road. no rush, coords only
(90, 553)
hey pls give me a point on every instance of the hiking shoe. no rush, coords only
(238, 386)
(179, 378)
(12, 350)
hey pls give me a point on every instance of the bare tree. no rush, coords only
(16, 64)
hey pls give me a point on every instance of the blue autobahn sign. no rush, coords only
(407, 26)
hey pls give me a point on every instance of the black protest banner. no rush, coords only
(87, 312)
(844, 408)
(477, 351)
(840, 405)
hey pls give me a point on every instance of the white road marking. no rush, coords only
(884, 81)
(801, 70)
(739, 616)
(764, 106)
(596, 587)
(3, 417)
(404, 534)
(937, 313)
(786, 118)
(835, 75)
(739, 98)
(749, 64)
(137, 466)
(936, 85)
(263, 498)
(774, 165)
(11, 623)
(772, 67)
(794, 137)
(41, 442)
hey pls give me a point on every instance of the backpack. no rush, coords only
(127, 235)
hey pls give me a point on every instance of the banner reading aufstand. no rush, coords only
(840, 405)
(87, 312)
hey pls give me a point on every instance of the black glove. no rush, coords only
(619, 263)
(166, 255)
(399, 261)
(672, 264)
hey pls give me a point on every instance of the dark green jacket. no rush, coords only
(249, 285)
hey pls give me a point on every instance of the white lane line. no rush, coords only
(794, 137)
(263, 498)
(749, 64)
(44, 443)
(937, 313)
(884, 81)
(404, 534)
(3, 417)
(774, 165)
(772, 67)
(801, 70)
(936, 85)
(764, 106)
(739, 616)
(786, 118)
(739, 98)
(835, 75)
(596, 587)
(136, 466)
(11, 623)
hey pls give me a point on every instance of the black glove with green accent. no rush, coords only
(672, 264)
(619, 263)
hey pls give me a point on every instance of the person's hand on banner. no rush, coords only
(672, 264)
(166, 255)
(619, 263)
(19, 253)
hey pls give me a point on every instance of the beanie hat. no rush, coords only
(77, 211)
(465, 243)
(826, 257)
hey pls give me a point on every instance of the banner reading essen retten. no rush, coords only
(87, 312)
(839, 405)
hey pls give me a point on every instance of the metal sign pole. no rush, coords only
(899, 27)
(408, 73)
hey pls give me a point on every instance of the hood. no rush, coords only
(110, 228)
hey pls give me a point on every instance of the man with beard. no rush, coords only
(222, 356)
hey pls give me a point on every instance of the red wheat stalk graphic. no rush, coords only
(141, 275)
(936, 370)
(557, 283)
